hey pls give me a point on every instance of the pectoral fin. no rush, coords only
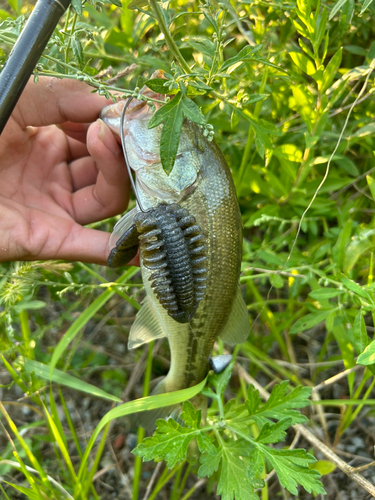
(237, 328)
(146, 327)
(125, 239)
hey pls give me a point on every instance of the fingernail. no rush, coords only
(107, 138)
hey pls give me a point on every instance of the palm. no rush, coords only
(51, 183)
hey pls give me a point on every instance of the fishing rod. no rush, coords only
(26, 53)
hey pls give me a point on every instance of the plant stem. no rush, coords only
(159, 14)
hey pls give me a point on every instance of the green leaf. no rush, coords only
(365, 6)
(291, 467)
(233, 468)
(170, 138)
(60, 377)
(324, 467)
(321, 25)
(355, 288)
(309, 320)
(325, 293)
(303, 62)
(338, 5)
(192, 111)
(221, 380)
(331, 70)
(304, 104)
(209, 464)
(272, 433)
(368, 355)
(281, 405)
(371, 185)
(255, 468)
(162, 114)
(361, 339)
(77, 6)
(160, 85)
(77, 51)
(29, 304)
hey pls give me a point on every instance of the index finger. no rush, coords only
(54, 101)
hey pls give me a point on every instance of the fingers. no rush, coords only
(110, 195)
(53, 101)
(77, 131)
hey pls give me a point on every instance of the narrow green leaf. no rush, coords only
(62, 378)
(371, 185)
(162, 114)
(365, 6)
(325, 293)
(309, 321)
(320, 29)
(247, 53)
(192, 111)
(303, 62)
(360, 333)
(331, 70)
(368, 355)
(354, 287)
(338, 5)
(77, 51)
(170, 138)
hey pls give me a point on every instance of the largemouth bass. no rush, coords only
(200, 182)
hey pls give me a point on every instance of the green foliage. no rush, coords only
(274, 82)
(237, 442)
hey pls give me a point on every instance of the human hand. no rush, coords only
(54, 180)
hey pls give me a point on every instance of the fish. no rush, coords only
(200, 182)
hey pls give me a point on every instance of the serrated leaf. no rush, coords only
(361, 339)
(291, 467)
(273, 433)
(281, 405)
(368, 355)
(325, 293)
(192, 111)
(169, 442)
(162, 113)
(170, 138)
(253, 400)
(209, 464)
(255, 467)
(221, 380)
(234, 468)
(191, 416)
(309, 320)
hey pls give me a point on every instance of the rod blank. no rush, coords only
(26, 53)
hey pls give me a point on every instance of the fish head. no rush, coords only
(143, 151)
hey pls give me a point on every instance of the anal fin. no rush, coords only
(237, 328)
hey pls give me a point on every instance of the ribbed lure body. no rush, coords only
(172, 247)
